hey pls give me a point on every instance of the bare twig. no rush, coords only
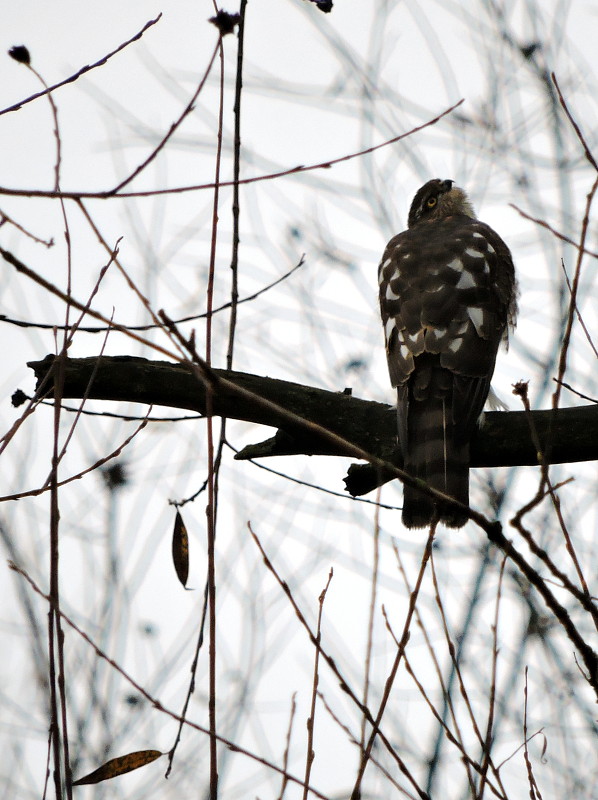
(553, 230)
(462, 684)
(576, 391)
(213, 464)
(156, 326)
(57, 678)
(520, 389)
(4, 218)
(85, 412)
(175, 125)
(83, 70)
(457, 737)
(574, 289)
(469, 763)
(534, 791)
(100, 462)
(50, 287)
(285, 757)
(574, 124)
(353, 739)
(157, 704)
(577, 312)
(345, 686)
(356, 793)
(311, 754)
(110, 193)
(236, 208)
(371, 615)
(130, 282)
(488, 740)
(68, 339)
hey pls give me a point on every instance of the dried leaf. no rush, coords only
(118, 766)
(544, 749)
(180, 549)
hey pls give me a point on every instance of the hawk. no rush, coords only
(447, 300)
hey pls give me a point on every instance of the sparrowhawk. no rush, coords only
(447, 299)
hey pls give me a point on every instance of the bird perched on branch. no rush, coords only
(447, 300)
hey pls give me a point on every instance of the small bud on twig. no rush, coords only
(20, 53)
(225, 22)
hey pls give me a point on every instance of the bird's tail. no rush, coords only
(435, 455)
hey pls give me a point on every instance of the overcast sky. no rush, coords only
(317, 87)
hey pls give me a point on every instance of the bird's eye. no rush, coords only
(431, 202)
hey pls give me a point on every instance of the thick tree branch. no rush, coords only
(504, 439)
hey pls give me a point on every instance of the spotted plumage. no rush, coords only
(447, 298)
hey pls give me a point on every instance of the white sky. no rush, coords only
(303, 104)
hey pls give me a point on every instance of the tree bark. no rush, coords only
(505, 438)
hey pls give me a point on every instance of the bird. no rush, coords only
(448, 299)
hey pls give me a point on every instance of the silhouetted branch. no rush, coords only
(503, 440)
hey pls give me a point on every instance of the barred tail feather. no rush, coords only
(434, 455)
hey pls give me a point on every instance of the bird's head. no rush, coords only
(438, 199)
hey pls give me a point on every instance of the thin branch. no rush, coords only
(57, 678)
(356, 793)
(83, 70)
(285, 757)
(576, 391)
(462, 686)
(127, 417)
(110, 193)
(552, 230)
(574, 289)
(534, 791)
(456, 740)
(345, 686)
(175, 125)
(236, 208)
(129, 281)
(4, 218)
(488, 740)
(213, 463)
(309, 759)
(100, 462)
(50, 287)
(576, 127)
(352, 738)
(157, 704)
(585, 598)
(156, 326)
(317, 487)
(457, 737)
(579, 317)
(371, 616)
